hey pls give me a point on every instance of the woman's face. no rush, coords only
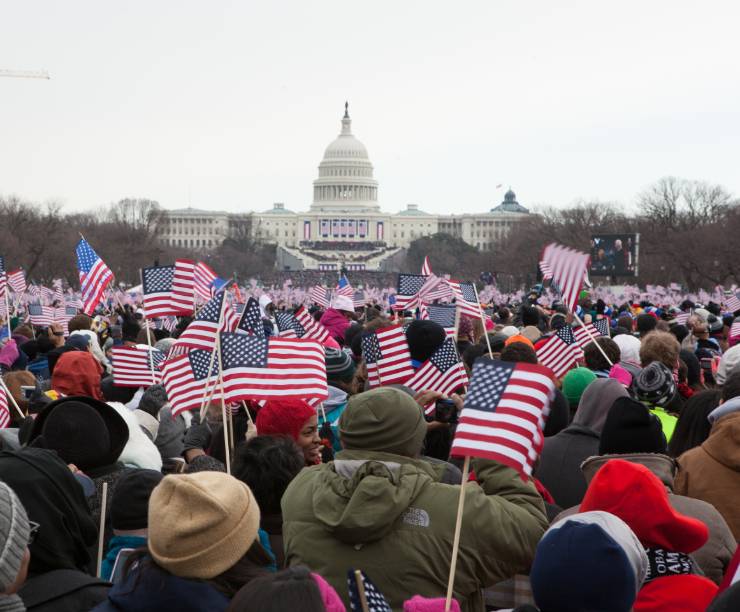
(309, 441)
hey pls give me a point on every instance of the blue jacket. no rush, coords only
(152, 589)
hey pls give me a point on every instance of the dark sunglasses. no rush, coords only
(33, 531)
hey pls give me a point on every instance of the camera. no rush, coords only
(445, 411)
(27, 391)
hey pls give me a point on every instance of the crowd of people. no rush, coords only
(110, 502)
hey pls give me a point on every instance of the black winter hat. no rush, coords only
(424, 337)
(130, 500)
(631, 428)
(655, 385)
(530, 316)
(82, 430)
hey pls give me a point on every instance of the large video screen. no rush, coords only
(614, 254)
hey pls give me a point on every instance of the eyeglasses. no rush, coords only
(33, 531)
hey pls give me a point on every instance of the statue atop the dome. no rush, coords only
(346, 110)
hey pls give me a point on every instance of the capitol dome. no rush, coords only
(345, 181)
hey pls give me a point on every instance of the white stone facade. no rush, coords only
(344, 226)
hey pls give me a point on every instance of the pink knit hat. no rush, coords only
(332, 601)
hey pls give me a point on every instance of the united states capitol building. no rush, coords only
(344, 226)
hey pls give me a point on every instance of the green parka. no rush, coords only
(389, 516)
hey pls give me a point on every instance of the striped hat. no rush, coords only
(339, 365)
(14, 533)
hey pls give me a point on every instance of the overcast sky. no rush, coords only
(229, 105)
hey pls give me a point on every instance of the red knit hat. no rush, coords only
(634, 494)
(689, 593)
(283, 417)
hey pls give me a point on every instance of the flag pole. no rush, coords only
(249, 416)
(225, 420)
(361, 591)
(483, 321)
(456, 539)
(101, 533)
(592, 338)
(11, 398)
(203, 403)
(7, 309)
(148, 333)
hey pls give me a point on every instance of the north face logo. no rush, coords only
(416, 516)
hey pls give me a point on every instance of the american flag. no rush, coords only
(584, 333)
(505, 411)
(674, 287)
(3, 278)
(157, 288)
(320, 295)
(287, 325)
(251, 320)
(265, 368)
(4, 409)
(373, 597)
(95, 276)
(311, 327)
(183, 286)
(735, 329)
(560, 351)
(41, 316)
(17, 281)
(732, 304)
(434, 288)
(444, 314)
(133, 366)
(201, 333)
(568, 269)
(682, 318)
(203, 278)
(387, 357)
(300, 325)
(465, 297)
(344, 288)
(407, 294)
(546, 270)
(58, 293)
(426, 267)
(186, 378)
(443, 371)
(358, 299)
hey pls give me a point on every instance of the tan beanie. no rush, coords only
(201, 524)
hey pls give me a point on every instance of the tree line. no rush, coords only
(41, 240)
(689, 234)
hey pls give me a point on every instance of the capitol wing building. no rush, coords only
(344, 226)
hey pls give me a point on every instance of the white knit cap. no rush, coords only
(342, 302)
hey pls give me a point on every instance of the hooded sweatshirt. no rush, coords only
(559, 468)
(387, 514)
(77, 373)
(711, 472)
